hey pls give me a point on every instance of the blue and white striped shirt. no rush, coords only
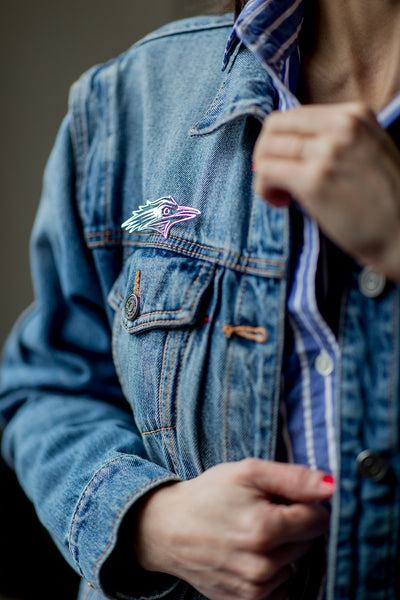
(270, 29)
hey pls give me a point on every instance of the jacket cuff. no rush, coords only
(101, 510)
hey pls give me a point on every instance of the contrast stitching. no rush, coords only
(167, 439)
(155, 322)
(129, 242)
(180, 369)
(167, 394)
(178, 310)
(228, 394)
(233, 265)
(161, 387)
(114, 304)
(155, 37)
(158, 430)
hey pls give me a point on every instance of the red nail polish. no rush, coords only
(253, 167)
(329, 480)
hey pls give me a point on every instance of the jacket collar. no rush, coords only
(246, 90)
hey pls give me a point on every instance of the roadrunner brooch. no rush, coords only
(159, 215)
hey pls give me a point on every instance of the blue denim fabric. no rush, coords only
(98, 407)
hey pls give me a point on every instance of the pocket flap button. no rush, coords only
(132, 307)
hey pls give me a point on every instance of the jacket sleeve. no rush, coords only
(68, 431)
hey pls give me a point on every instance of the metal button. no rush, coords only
(131, 307)
(372, 466)
(371, 284)
(324, 364)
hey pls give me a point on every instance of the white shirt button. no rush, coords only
(324, 364)
(371, 284)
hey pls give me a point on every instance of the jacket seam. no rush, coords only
(166, 432)
(79, 136)
(159, 430)
(162, 378)
(81, 499)
(125, 242)
(182, 30)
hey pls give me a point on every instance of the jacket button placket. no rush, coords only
(371, 284)
(372, 466)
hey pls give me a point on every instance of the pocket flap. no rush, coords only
(159, 289)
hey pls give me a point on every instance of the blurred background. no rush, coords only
(45, 46)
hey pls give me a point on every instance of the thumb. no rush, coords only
(289, 482)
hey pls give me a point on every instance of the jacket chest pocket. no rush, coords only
(159, 298)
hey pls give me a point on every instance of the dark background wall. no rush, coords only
(44, 47)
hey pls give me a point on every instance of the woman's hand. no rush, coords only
(344, 170)
(225, 533)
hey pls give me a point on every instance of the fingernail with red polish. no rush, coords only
(328, 481)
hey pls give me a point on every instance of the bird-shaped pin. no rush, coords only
(159, 215)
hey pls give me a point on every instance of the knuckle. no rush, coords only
(255, 568)
(271, 120)
(335, 147)
(362, 111)
(248, 468)
(351, 122)
(254, 536)
(320, 174)
(266, 524)
(252, 591)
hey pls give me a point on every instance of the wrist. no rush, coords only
(152, 540)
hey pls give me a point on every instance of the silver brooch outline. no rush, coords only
(159, 215)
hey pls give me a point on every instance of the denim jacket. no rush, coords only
(132, 368)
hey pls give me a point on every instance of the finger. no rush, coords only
(278, 198)
(298, 178)
(291, 482)
(312, 119)
(282, 526)
(282, 145)
(296, 147)
(264, 565)
(284, 557)
(267, 589)
(296, 523)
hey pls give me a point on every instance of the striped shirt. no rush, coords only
(270, 29)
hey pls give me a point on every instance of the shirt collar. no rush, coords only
(269, 28)
(269, 31)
